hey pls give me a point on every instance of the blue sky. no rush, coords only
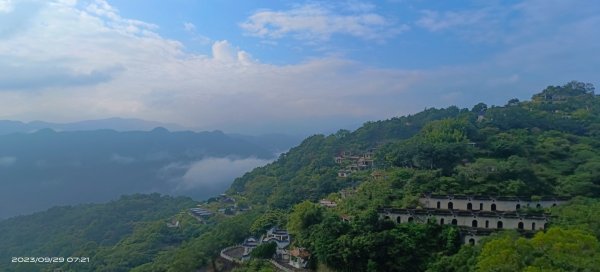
(284, 66)
(197, 23)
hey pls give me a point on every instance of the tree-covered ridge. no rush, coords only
(85, 230)
(308, 170)
(545, 146)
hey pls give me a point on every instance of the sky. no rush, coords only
(284, 66)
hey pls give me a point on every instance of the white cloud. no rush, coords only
(222, 51)
(436, 21)
(215, 174)
(318, 21)
(190, 27)
(102, 9)
(7, 161)
(6, 6)
(487, 24)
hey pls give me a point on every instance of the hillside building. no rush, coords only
(249, 244)
(477, 216)
(487, 203)
(281, 238)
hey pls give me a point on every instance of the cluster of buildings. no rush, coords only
(223, 198)
(226, 205)
(200, 213)
(229, 206)
(278, 236)
(294, 258)
(477, 216)
(354, 163)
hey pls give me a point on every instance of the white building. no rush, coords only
(487, 203)
(249, 244)
(281, 238)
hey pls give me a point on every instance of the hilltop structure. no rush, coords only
(477, 216)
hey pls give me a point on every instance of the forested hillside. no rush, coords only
(547, 146)
(90, 230)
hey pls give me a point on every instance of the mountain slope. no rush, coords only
(81, 230)
(540, 146)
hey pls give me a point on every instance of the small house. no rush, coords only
(249, 244)
(281, 238)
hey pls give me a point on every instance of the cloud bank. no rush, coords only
(85, 58)
(211, 176)
(321, 21)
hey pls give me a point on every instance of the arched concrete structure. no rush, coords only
(502, 203)
(489, 220)
(494, 213)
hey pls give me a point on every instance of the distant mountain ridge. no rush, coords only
(115, 123)
(274, 142)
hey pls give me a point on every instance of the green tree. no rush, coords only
(507, 253)
(565, 250)
(304, 215)
(264, 250)
(271, 218)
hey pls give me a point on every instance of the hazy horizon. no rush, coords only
(136, 124)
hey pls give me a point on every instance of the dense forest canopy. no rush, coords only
(546, 146)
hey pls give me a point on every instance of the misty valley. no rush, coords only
(46, 168)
